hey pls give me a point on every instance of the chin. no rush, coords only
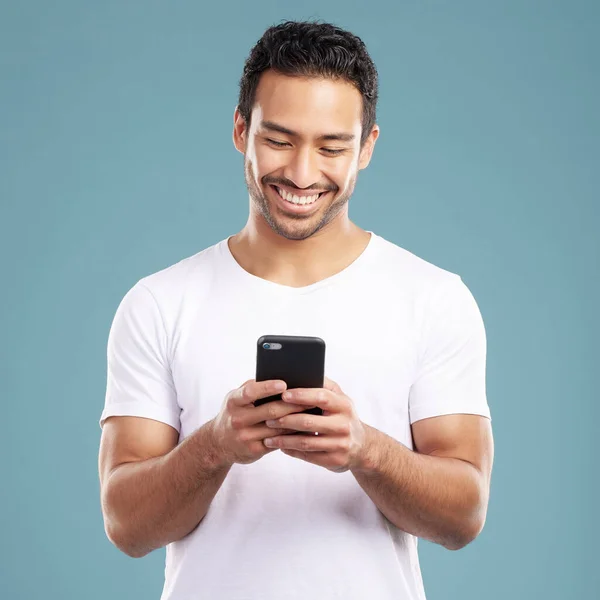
(297, 233)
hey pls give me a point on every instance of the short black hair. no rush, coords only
(312, 49)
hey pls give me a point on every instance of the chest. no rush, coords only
(371, 350)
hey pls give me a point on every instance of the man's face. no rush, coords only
(302, 152)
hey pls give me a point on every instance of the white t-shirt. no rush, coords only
(405, 341)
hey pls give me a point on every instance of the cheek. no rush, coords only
(267, 161)
(342, 172)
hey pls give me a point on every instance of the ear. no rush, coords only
(240, 131)
(367, 150)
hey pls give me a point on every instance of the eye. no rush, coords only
(333, 151)
(276, 143)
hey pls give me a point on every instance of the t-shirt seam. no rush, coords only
(290, 291)
(163, 414)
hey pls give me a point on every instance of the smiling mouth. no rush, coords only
(297, 200)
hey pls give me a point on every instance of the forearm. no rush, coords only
(150, 503)
(439, 499)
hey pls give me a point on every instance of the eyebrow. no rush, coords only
(340, 137)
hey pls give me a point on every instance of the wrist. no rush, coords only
(367, 458)
(214, 452)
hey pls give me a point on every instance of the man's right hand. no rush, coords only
(239, 428)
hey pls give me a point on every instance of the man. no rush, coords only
(404, 447)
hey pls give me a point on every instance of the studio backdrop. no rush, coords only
(116, 160)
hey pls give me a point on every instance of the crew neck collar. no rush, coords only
(238, 271)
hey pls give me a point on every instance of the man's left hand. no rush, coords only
(342, 437)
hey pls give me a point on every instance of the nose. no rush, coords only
(303, 167)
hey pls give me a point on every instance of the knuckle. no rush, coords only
(304, 444)
(344, 445)
(247, 392)
(339, 461)
(230, 399)
(255, 448)
(308, 422)
(272, 411)
(345, 429)
(243, 436)
(235, 421)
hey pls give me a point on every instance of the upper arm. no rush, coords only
(462, 436)
(140, 419)
(450, 377)
(139, 380)
(130, 439)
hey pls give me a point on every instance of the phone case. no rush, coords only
(300, 362)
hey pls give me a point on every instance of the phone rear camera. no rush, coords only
(266, 346)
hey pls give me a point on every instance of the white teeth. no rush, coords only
(297, 199)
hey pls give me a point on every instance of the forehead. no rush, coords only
(312, 106)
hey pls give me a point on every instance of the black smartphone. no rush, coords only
(297, 360)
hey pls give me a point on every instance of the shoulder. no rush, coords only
(411, 271)
(165, 291)
(191, 271)
(430, 289)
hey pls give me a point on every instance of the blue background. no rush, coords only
(116, 161)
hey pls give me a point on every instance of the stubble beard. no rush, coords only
(294, 227)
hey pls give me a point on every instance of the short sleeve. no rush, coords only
(451, 376)
(139, 381)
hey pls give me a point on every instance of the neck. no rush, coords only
(298, 263)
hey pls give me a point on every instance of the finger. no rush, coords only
(247, 416)
(274, 410)
(253, 390)
(331, 425)
(261, 432)
(319, 397)
(329, 384)
(307, 443)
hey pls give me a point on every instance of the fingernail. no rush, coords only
(279, 386)
(269, 442)
(271, 423)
